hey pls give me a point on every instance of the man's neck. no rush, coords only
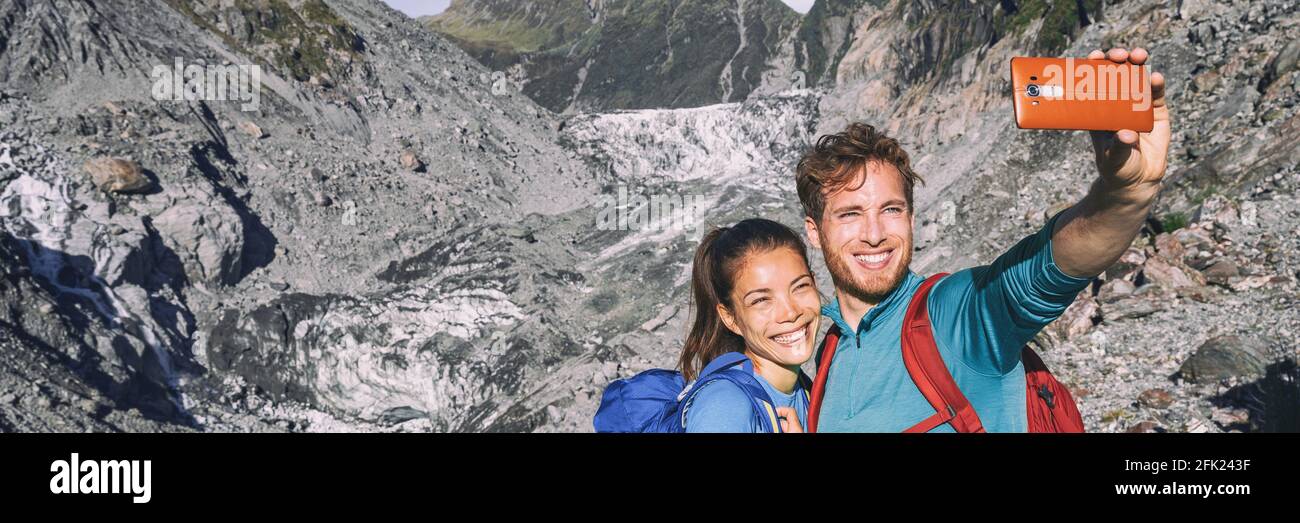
(852, 308)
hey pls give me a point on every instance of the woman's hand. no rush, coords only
(789, 419)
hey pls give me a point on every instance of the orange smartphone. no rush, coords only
(1081, 94)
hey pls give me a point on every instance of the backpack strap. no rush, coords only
(723, 368)
(724, 361)
(825, 354)
(805, 385)
(926, 367)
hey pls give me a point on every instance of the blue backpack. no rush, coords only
(657, 400)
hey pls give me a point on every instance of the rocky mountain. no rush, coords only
(389, 240)
(1187, 278)
(141, 231)
(585, 55)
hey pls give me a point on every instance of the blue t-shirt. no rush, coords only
(982, 317)
(722, 406)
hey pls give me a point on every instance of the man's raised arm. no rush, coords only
(1094, 233)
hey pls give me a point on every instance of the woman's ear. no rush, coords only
(728, 320)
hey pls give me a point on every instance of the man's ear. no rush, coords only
(728, 320)
(810, 228)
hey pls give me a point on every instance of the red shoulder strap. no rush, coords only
(925, 366)
(824, 356)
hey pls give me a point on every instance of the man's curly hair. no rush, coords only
(837, 159)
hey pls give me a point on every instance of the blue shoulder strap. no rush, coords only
(723, 368)
(725, 361)
(806, 384)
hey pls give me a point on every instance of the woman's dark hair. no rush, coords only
(718, 259)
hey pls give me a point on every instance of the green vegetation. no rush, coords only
(1061, 21)
(1205, 194)
(1115, 415)
(1173, 221)
(302, 44)
(517, 32)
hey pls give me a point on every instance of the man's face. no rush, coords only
(865, 233)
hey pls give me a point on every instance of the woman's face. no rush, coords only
(775, 307)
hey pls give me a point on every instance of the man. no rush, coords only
(856, 190)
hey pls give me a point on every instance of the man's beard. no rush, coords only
(876, 287)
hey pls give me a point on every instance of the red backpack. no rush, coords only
(1050, 406)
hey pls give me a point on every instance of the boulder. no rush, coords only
(411, 162)
(1169, 248)
(251, 129)
(120, 175)
(1114, 290)
(1216, 209)
(1147, 300)
(1225, 357)
(207, 237)
(1128, 265)
(1195, 237)
(1171, 275)
(1155, 399)
(1145, 427)
(1222, 272)
(1078, 319)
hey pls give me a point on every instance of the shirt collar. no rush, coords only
(894, 302)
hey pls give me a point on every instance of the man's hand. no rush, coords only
(1093, 234)
(1128, 158)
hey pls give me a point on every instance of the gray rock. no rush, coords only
(1155, 399)
(1077, 319)
(411, 162)
(208, 238)
(1115, 289)
(1191, 9)
(1132, 307)
(1145, 427)
(252, 129)
(664, 315)
(1281, 64)
(1169, 248)
(1226, 357)
(1217, 210)
(1222, 272)
(1171, 275)
(402, 414)
(1127, 266)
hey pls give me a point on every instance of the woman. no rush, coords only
(752, 292)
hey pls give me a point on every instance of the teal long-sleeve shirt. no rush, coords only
(981, 317)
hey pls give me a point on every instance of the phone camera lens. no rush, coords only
(1032, 90)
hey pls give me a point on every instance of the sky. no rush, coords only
(414, 8)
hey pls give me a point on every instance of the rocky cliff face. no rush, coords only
(394, 241)
(375, 143)
(578, 56)
(1190, 292)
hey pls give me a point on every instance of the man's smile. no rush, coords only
(874, 260)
